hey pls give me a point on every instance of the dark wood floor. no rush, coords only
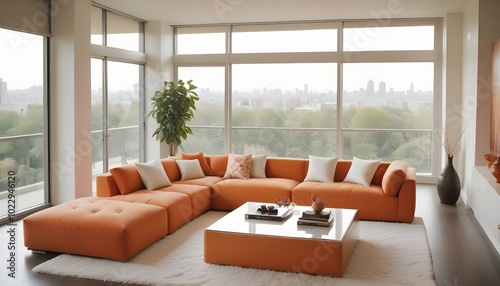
(461, 253)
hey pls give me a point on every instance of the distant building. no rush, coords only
(4, 96)
(382, 88)
(370, 88)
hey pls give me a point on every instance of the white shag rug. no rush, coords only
(386, 254)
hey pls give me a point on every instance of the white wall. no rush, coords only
(70, 137)
(159, 48)
(470, 34)
(451, 105)
(481, 29)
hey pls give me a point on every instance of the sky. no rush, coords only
(24, 51)
(21, 59)
(318, 77)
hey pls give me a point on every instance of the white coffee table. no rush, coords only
(283, 246)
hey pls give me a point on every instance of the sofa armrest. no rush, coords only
(106, 185)
(407, 196)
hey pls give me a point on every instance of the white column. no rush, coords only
(70, 105)
(159, 50)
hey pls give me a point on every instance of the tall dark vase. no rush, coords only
(448, 184)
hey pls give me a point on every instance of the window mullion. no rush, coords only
(340, 131)
(228, 94)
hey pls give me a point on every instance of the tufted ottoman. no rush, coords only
(96, 227)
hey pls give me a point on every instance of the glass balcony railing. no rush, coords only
(411, 145)
(23, 156)
(21, 173)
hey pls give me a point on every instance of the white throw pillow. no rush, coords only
(153, 175)
(362, 171)
(258, 168)
(190, 169)
(321, 169)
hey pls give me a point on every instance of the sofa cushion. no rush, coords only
(334, 194)
(258, 168)
(230, 194)
(286, 168)
(238, 166)
(177, 205)
(207, 181)
(190, 169)
(370, 201)
(393, 178)
(203, 162)
(200, 196)
(362, 171)
(127, 179)
(321, 169)
(153, 175)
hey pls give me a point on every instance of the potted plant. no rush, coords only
(172, 108)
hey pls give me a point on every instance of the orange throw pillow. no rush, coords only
(394, 178)
(238, 166)
(218, 163)
(127, 179)
(203, 162)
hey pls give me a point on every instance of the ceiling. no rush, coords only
(239, 11)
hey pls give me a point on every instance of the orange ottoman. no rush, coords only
(96, 227)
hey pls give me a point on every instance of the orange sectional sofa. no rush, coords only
(138, 204)
(284, 177)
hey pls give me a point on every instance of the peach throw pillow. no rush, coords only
(238, 166)
(393, 178)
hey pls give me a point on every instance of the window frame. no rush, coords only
(46, 137)
(112, 54)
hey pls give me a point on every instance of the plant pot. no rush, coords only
(172, 149)
(448, 184)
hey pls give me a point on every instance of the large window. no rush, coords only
(22, 122)
(327, 89)
(117, 90)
